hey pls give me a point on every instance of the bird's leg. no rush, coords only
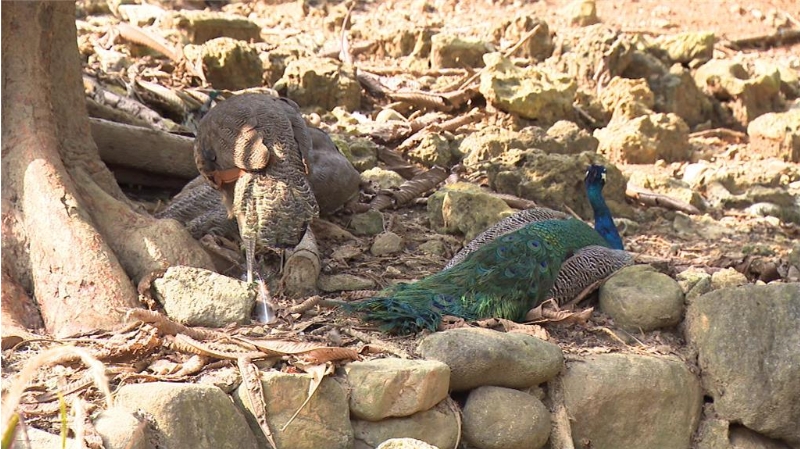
(249, 256)
(265, 310)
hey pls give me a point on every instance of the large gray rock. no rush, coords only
(640, 298)
(625, 400)
(465, 208)
(752, 94)
(228, 63)
(478, 357)
(189, 415)
(438, 426)
(747, 340)
(776, 134)
(502, 418)
(321, 82)
(392, 387)
(120, 429)
(198, 297)
(449, 50)
(322, 423)
(645, 139)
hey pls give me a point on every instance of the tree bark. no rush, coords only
(56, 190)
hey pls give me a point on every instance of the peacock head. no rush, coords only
(595, 176)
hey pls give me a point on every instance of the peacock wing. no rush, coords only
(587, 266)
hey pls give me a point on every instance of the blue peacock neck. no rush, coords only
(603, 222)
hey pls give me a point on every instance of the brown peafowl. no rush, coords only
(254, 148)
(515, 266)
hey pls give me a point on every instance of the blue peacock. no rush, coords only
(512, 267)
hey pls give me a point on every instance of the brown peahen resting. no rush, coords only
(506, 274)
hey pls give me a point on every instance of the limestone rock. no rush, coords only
(361, 152)
(629, 97)
(39, 439)
(386, 243)
(554, 180)
(202, 414)
(694, 282)
(535, 92)
(320, 82)
(751, 95)
(434, 149)
(610, 398)
(198, 297)
(323, 422)
(639, 297)
(676, 92)
(344, 282)
(565, 137)
(382, 178)
(502, 418)
(747, 339)
(120, 429)
(581, 13)
(368, 223)
(465, 208)
(384, 388)
(645, 139)
(538, 47)
(448, 51)
(587, 48)
(201, 26)
(478, 357)
(404, 443)
(727, 277)
(437, 426)
(776, 134)
(228, 63)
(691, 48)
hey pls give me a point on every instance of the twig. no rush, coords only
(561, 435)
(655, 199)
(255, 392)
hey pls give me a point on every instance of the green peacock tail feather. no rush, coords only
(504, 279)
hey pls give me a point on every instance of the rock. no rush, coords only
(694, 282)
(361, 152)
(554, 180)
(382, 178)
(141, 15)
(202, 414)
(630, 97)
(689, 48)
(662, 182)
(438, 426)
(120, 429)
(537, 47)
(645, 139)
(491, 142)
(273, 63)
(676, 92)
(413, 41)
(566, 137)
(703, 226)
(389, 115)
(587, 48)
(741, 437)
(746, 339)
(434, 149)
(466, 208)
(502, 418)
(433, 248)
(611, 397)
(344, 282)
(450, 51)
(639, 298)
(228, 63)
(323, 421)
(385, 388)
(198, 297)
(368, 223)
(320, 82)
(752, 95)
(776, 134)
(581, 13)
(646, 66)
(535, 92)
(199, 27)
(386, 243)
(727, 277)
(34, 438)
(478, 357)
(405, 443)
(790, 79)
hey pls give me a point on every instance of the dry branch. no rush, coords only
(655, 199)
(144, 149)
(409, 190)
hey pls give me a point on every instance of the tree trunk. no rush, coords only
(70, 237)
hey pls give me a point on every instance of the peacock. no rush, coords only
(513, 267)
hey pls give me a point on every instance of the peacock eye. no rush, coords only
(543, 264)
(533, 244)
